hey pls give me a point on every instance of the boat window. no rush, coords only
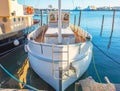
(57, 17)
(66, 17)
(4, 19)
(52, 17)
(22, 19)
(14, 19)
(18, 19)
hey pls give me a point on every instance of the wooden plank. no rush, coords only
(112, 29)
(102, 25)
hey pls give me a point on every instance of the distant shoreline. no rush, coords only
(78, 10)
(89, 10)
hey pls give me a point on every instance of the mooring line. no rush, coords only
(98, 76)
(112, 59)
(35, 89)
(11, 50)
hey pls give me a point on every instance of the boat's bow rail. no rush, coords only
(38, 35)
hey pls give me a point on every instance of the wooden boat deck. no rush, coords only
(80, 36)
(40, 37)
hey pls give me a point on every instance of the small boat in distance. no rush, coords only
(15, 21)
(59, 53)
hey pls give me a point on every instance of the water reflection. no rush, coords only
(13, 61)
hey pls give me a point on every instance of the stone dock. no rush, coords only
(89, 84)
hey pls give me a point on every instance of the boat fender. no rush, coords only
(74, 69)
(88, 38)
(25, 48)
(16, 42)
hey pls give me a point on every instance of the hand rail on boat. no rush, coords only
(11, 41)
(11, 50)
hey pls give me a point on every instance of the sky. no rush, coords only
(69, 4)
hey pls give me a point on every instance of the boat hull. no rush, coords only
(7, 40)
(44, 69)
(7, 47)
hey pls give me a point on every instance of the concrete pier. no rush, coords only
(89, 84)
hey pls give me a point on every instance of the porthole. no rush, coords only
(14, 19)
(18, 19)
(4, 19)
(52, 17)
(66, 17)
(22, 19)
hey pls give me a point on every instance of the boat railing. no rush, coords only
(80, 34)
(45, 49)
(42, 46)
(38, 32)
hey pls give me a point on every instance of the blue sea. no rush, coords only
(106, 60)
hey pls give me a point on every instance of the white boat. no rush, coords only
(59, 53)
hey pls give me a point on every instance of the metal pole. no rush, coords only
(24, 2)
(59, 22)
(112, 29)
(47, 20)
(79, 19)
(74, 21)
(102, 25)
(41, 18)
(60, 78)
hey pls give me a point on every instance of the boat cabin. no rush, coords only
(12, 16)
(49, 34)
(53, 19)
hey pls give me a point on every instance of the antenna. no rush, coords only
(59, 22)
(24, 2)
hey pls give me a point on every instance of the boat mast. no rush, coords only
(59, 22)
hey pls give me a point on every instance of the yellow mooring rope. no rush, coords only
(98, 76)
